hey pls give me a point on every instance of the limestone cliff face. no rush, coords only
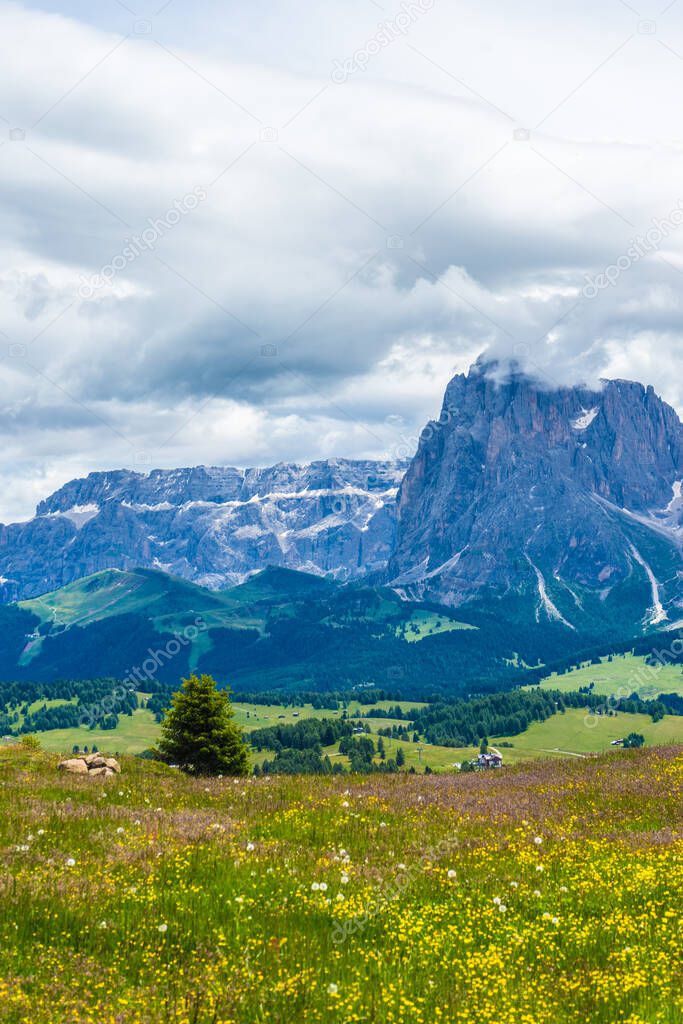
(560, 505)
(211, 525)
(568, 498)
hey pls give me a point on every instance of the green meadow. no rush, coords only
(573, 733)
(545, 894)
(624, 673)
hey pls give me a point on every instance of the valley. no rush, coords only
(561, 735)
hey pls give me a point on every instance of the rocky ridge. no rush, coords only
(562, 499)
(214, 526)
(559, 505)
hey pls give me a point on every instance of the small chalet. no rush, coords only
(489, 760)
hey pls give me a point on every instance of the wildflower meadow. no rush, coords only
(541, 894)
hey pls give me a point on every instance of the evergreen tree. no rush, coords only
(198, 733)
(400, 757)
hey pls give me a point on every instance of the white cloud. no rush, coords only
(397, 225)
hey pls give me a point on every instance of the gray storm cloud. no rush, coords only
(356, 243)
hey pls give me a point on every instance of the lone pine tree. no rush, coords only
(199, 734)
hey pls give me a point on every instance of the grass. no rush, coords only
(571, 733)
(262, 716)
(576, 733)
(140, 731)
(624, 674)
(134, 733)
(548, 894)
(423, 623)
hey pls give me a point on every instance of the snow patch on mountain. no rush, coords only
(551, 610)
(584, 421)
(79, 515)
(657, 612)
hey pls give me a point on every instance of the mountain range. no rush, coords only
(214, 526)
(557, 506)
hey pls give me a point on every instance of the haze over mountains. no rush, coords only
(556, 506)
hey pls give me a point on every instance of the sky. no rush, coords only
(240, 234)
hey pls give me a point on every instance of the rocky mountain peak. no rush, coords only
(548, 503)
(213, 525)
(521, 488)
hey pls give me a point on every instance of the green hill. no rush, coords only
(279, 630)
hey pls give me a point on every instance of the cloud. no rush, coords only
(356, 243)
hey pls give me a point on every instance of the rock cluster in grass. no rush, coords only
(92, 765)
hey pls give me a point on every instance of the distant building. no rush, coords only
(489, 760)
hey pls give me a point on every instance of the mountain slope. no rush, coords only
(211, 525)
(280, 629)
(559, 505)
